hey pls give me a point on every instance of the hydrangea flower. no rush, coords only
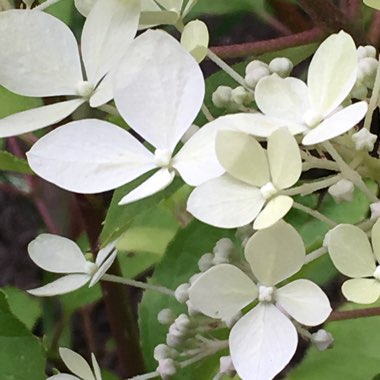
(39, 57)
(352, 254)
(254, 179)
(314, 109)
(78, 366)
(264, 340)
(57, 254)
(159, 91)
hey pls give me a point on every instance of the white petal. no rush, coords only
(195, 38)
(104, 253)
(375, 237)
(351, 251)
(157, 182)
(332, 73)
(196, 162)
(84, 6)
(95, 365)
(262, 343)
(275, 253)
(242, 157)
(89, 156)
(76, 364)
(225, 202)
(103, 269)
(285, 99)
(34, 119)
(284, 159)
(109, 29)
(222, 291)
(171, 4)
(305, 302)
(337, 124)
(160, 74)
(38, 54)
(63, 376)
(274, 210)
(56, 254)
(160, 17)
(103, 93)
(361, 290)
(63, 285)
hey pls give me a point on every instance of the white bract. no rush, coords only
(78, 366)
(313, 109)
(254, 178)
(264, 340)
(195, 39)
(57, 254)
(39, 57)
(159, 91)
(352, 255)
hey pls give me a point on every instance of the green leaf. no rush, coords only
(21, 354)
(62, 10)
(71, 302)
(9, 162)
(177, 266)
(119, 218)
(355, 354)
(26, 308)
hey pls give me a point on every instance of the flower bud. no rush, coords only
(281, 66)
(205, 262)
(343, 190)
(322, 340)
(240, 96)
(253, 77)
(359, 91)
(364, 140)
(253, 65)
(226, 366)
(166, 368)
(222, 96)
(166, 317)
(182, 292)
(375, 210)
(163, 351)
(183, 323)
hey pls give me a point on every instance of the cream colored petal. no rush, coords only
(361, 290)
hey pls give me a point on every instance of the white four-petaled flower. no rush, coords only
(254, 178)
(159, 90)
(57, 254)
(264, 340)
(39, 57)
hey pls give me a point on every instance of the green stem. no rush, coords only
(314, 213)
(137, 284)
(315, 255)
(46, 4)
(206, 112)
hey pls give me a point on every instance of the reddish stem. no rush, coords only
(338, 315)
(374, 29)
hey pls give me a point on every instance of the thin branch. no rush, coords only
(275, 44)
(374, 29)
(338, 315)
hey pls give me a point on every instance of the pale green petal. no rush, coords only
(222, 291)
(373, 3)
(304, 301)
(242, 157)
(351, 251)
(275, 210)
(195, 39)
(284, 159)
(332, 73)
(376, 239)
(281, 98)
(225, 202)
(95, 365)
(76, 364)
(275, 253)
(361, 290)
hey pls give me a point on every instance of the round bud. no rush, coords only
(364, 140)
(167, 368)
(226, 366)
(182, 292)
(222, 96)
(224, 248)
(281, 66)
(90, 268)
(194, 277)
(240, 96)
(343, 190)
(173, 340)
(360, 91)
(361, 52)
(85, 89)
(253, 65)
(252, 78)
(163, 351)
(205, 262)
(322, 340)
(183, 322)
(166, 316)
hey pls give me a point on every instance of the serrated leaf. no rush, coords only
(9, 162)
(177, 266)
(21, 354)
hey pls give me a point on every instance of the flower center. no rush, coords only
(163, 158)
(85, 89)
(268, 190)
(376, 273)
(312, 119)
(90, 268)
(266, 293)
